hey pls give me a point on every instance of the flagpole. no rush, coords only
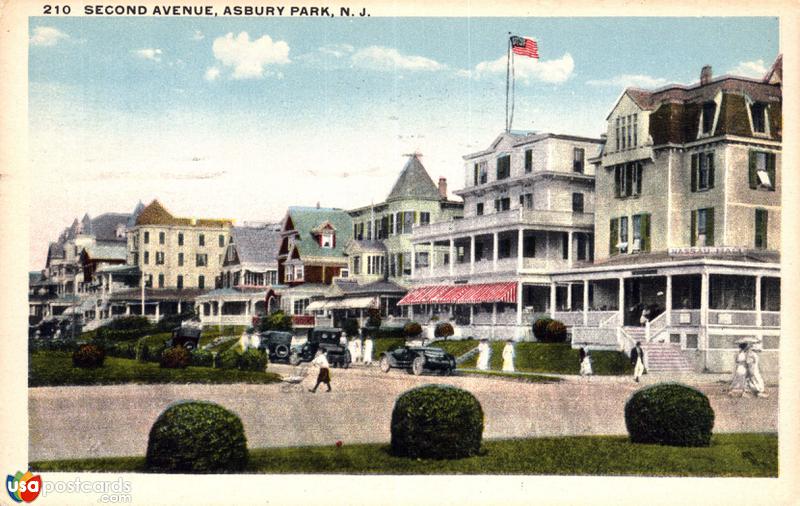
(508, 73)
(513, 90)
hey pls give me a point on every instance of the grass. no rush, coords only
(383, 344)
(753, 455)
(52, 368)
(526, 378)
(554, 358)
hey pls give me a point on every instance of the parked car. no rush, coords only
(277, 344)
(188, 337)
(418, 359)
(327, 339)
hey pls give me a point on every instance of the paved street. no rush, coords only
(74, 422)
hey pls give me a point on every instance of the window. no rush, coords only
(529, 246)
(201, 281)
(327, 240)
(577, 202)
(159, 258)
(641, 233)
(272, 278)
(618, 235)
(709, 108)
(424, 218)
(180, 259)
(702, 171)
(408, 221)
(526, 200)
(577, 160)
(146, 257)
(180, 238)
(146, 237)
(179, 283)
(762, 170)
(479, 172)
(148, 281)
(628, 180)
(503, 167)
(528, 160)
(299, 272)
(479, 208)
(221, 241)
(422, 259)
(483, 168)
(617, 136)
(161, 281)
(703, 227)
(300, 306)
(502, 204)
(201, 260)
(504, 248)
(201, 240)
(581, 246)
(628, 138)
(356, 265)
(161, 237)
(759, 113)
(622, 139)
(623, 234)
(762, 220)
(635, 130)
(288, 274)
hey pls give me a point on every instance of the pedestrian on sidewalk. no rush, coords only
(484, 354)
(508, 356)
(739, 380)
(586, 363)
(368, 345)
(324, 375)
(754, 380)
(637, 359)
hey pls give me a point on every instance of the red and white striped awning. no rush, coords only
(461, 294)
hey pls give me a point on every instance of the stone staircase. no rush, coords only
(661, 357)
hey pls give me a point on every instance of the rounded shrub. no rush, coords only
(443, 329)
(202, 358)
(176, 357)
(196, 437)
(228, 359)
(555, 332)
(669, 414)
(436, 422)
(540, 328)
(88, 356)
(253, 360)
(412, 329)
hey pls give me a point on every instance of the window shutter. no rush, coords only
(638, 178)
(694, 229)
(710, 170)
(771, 170)
(628, 180)
(710, 226)
(612, 237)
(645, 232)
(617, 181)
(753, 177)
(695, 164)
(476, 174)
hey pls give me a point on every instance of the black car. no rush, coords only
(188, 337)
(417, 359)
(278, 345)
(327, 339)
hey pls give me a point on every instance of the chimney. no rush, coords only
(705, 75)
(318, 204)
(443, 187)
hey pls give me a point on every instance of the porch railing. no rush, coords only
(654, 327)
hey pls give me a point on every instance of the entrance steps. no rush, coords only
(666, 357)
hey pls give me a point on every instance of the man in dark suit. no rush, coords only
(637, 360)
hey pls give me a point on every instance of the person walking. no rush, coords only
(484, 354)
(586, 363)
(357, 350)
(739, 380)
(324, 375)
(508, 356)
(637, 359)
(369, 344)
(754, 380)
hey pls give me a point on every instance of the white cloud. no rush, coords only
(249, 58)
(749, 69)
(388, 59)
(629, 80)
(526, 69)
(47, 36)
(212, 73)
(337, 50)
(152, 54)
(198, 35)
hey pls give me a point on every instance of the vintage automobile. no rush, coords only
(188, 337)
(418, 359)
(277, 344)
(327, 339)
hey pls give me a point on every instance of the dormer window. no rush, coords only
(480, 176)
(709, 109)
(758, 111)
(327, 240)
(120, 231)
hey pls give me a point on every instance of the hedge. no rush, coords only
(669, 414)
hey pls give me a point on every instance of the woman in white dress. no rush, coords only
(754, 380)
(739, 380)
(357, 350)
(484, 354)
(586, 363)
(508, 356)
(368, 346)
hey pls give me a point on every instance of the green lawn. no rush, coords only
(754, 455)
(51, 368)
(383, 344)
(555, 358)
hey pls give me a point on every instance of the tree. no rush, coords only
(278, 320)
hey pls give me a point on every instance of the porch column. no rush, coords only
(585, 302)
(758, 301)
(471, 313)
(452, 253)
(127, 309)
(413, 258)
(247, 308)
(494, 317)
(179, 307)
(494, 251)
(569, 248)
(158, 311)
(430, 259)
(519, 304)
(552, 300)
(520, 244)
(704, 287)
(668, 300)
(621, 301)
(569, 296)
(471, 254)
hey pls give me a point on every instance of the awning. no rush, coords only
(317, 305)
(358, 303)
(462, 294)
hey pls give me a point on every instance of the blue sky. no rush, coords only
(241, 118)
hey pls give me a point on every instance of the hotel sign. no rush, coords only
(707, 250)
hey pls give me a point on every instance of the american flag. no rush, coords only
(525, 47)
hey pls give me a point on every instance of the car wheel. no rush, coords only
(418, 365)
(385, 365)
(294, 358)
(281, 351)
(188, 345)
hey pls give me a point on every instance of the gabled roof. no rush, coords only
(356, 246)
(104, 227)
(305, 219)
(55, 250)
(157, 214)
(257, 245)
(775, 73)
(414, 183)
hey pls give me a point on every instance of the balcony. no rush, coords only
(507, 220)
